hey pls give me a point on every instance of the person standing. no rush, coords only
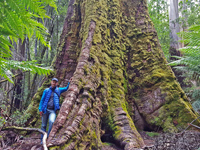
(49, 104)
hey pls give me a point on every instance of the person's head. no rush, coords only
(54, 82)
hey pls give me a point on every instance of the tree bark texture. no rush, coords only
(119, 76)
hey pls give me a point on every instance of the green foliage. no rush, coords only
(19, 118)
(18, 20)
(191, 38)
(190, 11)
(2, 121)
(152, 134)
(8, 118)
(190, 62)
(24, 65)
(196, 106)
(158, 11)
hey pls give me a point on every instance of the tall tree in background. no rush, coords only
(174, 38)
(174, 28)
(119, 74)
(18, 91)
(189, 16)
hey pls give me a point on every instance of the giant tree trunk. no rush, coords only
(119, 76)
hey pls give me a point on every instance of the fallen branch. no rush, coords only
(195, 126)
(30, 129)
(189, 124)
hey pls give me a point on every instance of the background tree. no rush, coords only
(174, 28)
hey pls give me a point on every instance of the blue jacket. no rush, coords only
(46, 96)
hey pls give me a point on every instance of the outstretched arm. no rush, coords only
(63, 89)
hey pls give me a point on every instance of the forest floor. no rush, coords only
(154, 141)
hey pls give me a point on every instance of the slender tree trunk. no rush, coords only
(36, 41)
(15, 51)
(27, 75)
(19, 80)
(174, 27)
(111, 51)
(174, 39)
(185, 24)
(184, 21)
(52, 51)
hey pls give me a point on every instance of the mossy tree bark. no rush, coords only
(119, 76)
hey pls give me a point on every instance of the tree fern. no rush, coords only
(191, 52)
(191, 61)
(196, 106)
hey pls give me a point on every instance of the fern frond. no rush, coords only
(196, 106)
(17, 21)
(24, 66)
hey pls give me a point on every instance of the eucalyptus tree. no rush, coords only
(119, 78)
(174, 27)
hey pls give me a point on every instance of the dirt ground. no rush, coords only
(187, 140)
